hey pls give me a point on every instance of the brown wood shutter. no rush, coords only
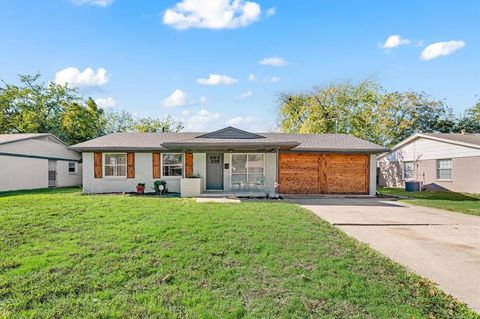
(130, 165)
(97, 165)
(188, 164)
(156, 165)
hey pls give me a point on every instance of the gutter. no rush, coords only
(41, 157)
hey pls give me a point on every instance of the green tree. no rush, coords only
(82, 122)
(470, 121)
(36, 107)
(165, 124)
(123, 121)
(33, 106)
(364, 110)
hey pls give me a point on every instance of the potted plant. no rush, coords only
(140, 188)
(160, 187)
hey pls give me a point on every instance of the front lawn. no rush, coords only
(63, 254)
(456, 202)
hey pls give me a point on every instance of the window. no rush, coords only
(171, 164)
(408, 170)
(115, 164)
(444, 169)
(247, 167)
(72, 168)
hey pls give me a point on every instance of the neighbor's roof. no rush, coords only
(229, 139)
(9, 138)
(468, 138)
(462, 139)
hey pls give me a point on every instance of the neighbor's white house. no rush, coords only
(31, 161)
(229, 161)
(439, 160)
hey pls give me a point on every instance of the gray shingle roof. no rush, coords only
(167, 141)
(457, 137)
(9, 138)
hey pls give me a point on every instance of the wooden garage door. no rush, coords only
(303, 173)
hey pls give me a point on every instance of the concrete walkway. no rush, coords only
(440, 245)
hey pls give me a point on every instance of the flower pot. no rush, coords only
(140, 189)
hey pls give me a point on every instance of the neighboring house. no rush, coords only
(29, 161)
(439, 160)
(230, 160)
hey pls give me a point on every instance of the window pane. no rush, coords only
(255, 164)
(442, 164)
(236, 178)
(109, 170)
(445, 174)
(239, 164)
(408, 170)
(172, 158)
(257, 178)
(71, 167)
(121, 170)
(172, 170)
(115, 159)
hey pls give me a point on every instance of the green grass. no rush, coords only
(455, 202)
(66, 255)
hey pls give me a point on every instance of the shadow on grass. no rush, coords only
(432, 195)
(52, 191)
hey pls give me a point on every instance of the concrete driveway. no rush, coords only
(440, 245)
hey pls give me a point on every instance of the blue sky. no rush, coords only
(157, 57)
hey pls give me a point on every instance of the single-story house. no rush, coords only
(30, 161)
(230, 160)
(439, 160)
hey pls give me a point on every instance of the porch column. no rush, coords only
(277, 172)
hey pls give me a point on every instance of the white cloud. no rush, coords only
(246, 122)
(212, 14)
(106, 102)
(245, 94)
(437, 49)
(217, 79)
(252, 77)
(74, 78)
(273, 61)
(177, 98)
(271, 12)
(100, 3)
(271, 79)
(199, 120)
(394, 41)
(202, 100)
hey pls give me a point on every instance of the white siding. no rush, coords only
(23, 173)
(143, 174)
(46, 147)
(425, 149)
(29, 173)
(65, 178)
(200, 167)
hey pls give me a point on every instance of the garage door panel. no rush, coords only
(347, 174)
(323, 173)
(298, 173)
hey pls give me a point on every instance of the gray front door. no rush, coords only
(214, 171)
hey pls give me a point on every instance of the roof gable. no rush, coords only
(466, 140)
(11, 138)
(231, 133)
